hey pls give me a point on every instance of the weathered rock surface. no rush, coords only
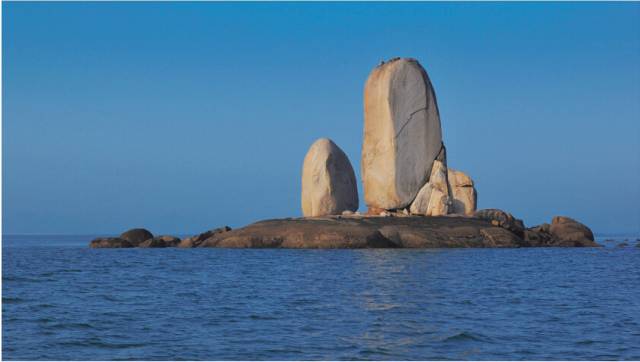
(397, 230)
(503, 219)
(463, 193)
(433, 198)
(165, 241)
(136, 236)
(402, 134)
(196, 240)
(110, 243)
(328, 181)
(367, 232)
(379, 232)
(570, 231)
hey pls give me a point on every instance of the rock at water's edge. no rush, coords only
(165, 241)
(136, 236)
(571, 231)
(196, 240)
(110, 243)
(503, 219)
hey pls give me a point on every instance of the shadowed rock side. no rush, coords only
(377, 232)
(110, 243)
(165, 241)
(136, 236)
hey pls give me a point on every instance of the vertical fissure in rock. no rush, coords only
(409, 119)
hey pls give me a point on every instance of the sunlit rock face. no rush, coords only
(463, 193)
(328, 181)
(402, 134)
(433, 198)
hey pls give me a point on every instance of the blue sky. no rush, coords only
(182, 117)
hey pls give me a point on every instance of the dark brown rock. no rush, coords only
(499, 237)
(536, 237)
(503, 219)
(570, 232)
(196, 240)
(110, 243)
(165, 241)
(367, 232)
(136, 236)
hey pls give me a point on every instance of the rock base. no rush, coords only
(356, 231)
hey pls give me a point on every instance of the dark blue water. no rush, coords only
(62, 300)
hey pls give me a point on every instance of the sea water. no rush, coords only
(63, 300)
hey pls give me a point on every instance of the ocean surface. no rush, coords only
(64, 301)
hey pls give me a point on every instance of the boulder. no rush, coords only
(433, 198)
(136, 236)
(402, 135)
(328, 181)
(463, 193)
(110, 243)
(503, 219)
(164, 241)
(196, 240)
(570, 231)
(538, 236)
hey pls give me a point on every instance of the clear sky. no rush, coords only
(184, 117)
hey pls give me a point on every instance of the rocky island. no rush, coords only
(414, 200)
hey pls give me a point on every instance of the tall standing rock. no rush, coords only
(328, 181)
(402, 135)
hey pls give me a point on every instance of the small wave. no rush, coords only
(586, 342)
(100, 344)
(381, 307)
(20, 279)
(70, 326)
(44, 320)
(261, 317)
(41, 306)
(463, 336)
(10, 300)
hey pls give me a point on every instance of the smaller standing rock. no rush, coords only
(464, 196)
(136, 236)
(433, 197)
(328, 181)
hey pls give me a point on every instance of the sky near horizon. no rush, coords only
(182, 117)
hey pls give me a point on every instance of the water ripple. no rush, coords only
(70, 302)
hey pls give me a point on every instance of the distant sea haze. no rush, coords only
(65, 301)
